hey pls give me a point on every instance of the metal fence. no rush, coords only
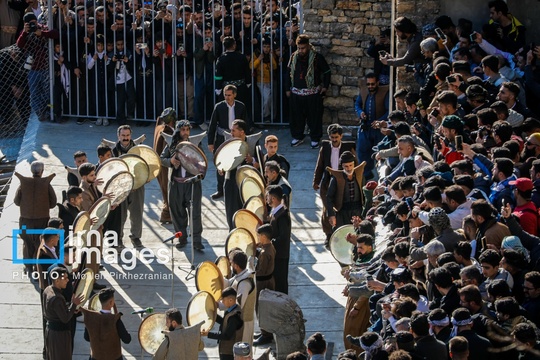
(112, 61)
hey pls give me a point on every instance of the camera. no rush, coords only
(459, 142)
(382, 53)
(32, 27)
(208, 39)
(64, 2)
(268, 29)
(409, 68)
(410, 203)
(119, 56)
(451, 79)
(181, 48)
(161, 51)
(141, 45)
(474, 36)
(435, 112)
(418, 127)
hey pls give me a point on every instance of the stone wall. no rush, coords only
(341, 31)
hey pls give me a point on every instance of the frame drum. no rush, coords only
(100, 210)
(249, 188)
(150, 332)
(82, 223)
(224, 265)
(202, 308)
(138, 168)
(341, 249)
(230, 154)
(248, 171)
(248, 220)
(85, 285)
(151, 157)
(120, 185)
(241, 238)
(192, 158)
(108, 169)
(256, 205)
(208, 278)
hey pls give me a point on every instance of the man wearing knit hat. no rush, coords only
(34, 42)
(451, 127)
(345, 197)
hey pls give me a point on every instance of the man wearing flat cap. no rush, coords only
(345, 197)
(451, 127)
(104, 328)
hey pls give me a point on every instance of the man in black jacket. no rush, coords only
(225, 112)
(280, 220)
(426, 345)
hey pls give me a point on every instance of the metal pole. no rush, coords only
(393, 53)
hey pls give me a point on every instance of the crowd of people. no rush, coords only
(453, 172)
(116, 60)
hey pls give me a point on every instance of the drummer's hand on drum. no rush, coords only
(175, 162)
(211, 148)
(77, 299)
(98, 182)
(204, 332)
(351, 238)
(356, 220)
(94, 220)
(332, 221)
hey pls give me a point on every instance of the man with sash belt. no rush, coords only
(232, 68)
(244, 283)
(135, 201)
(329, 155)
(180, 188)
(308, 81)
(225, 112)
(58, 314)
(104, 330)
(164, 124)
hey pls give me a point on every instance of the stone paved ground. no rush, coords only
(314, 281)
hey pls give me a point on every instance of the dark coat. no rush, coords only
(431, 348)
(220, 118)
(478, 345)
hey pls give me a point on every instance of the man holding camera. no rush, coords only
(34, 41)
(371, 104)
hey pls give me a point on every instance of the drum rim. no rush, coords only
(245, 181)
(141, 325)
(245, 168)
(103, 166)
(253, 242)
(199, 293)
(214, 266)
(151, 175)
(95, 206)
(113, 202)
(223, 145)
(330, 243)
(199, 151)
(136, 156)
